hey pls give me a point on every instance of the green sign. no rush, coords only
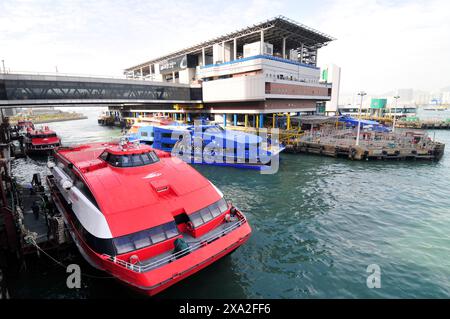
(378, 103)
(325, 75)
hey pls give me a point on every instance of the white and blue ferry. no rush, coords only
(210, 144)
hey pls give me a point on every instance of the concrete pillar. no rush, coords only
(261, 49)
(203, 56)
(301, 54)
(253, 123)
(261, 120)
(284, 48)
(246, 120)
(175, 116)
(142, 73)
(223, 51)
(173, 77)
(224, 120)
(188, 115)
(234, 48)
(235, 119)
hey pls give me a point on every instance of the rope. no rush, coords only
(32, 241)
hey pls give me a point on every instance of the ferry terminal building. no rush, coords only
(247, 77)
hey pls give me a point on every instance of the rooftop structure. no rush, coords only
(267, 68)
(285, 34)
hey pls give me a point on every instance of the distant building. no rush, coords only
(9, 112)
(446, 97)
(406, 96)
(332, 74)
(46, 110)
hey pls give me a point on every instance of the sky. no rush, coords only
(380, 45)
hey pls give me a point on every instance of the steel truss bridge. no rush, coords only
(32, 90)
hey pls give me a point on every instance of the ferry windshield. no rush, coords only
(42, 135)
(131, 160)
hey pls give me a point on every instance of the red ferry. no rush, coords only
(139, 214)
(25, 125)
(41, 141)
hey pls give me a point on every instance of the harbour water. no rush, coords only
(317, 224)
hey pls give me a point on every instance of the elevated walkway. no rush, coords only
(31, 90)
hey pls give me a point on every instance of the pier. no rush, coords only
(24, 230)
(372, 145)
(411, 122)
(430, 124)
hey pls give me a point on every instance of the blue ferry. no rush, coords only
(210, 144)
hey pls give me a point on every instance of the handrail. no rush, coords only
(159, 262)
(14, 72)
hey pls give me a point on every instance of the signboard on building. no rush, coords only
(378, 103)
(324, 75)
(178, 63)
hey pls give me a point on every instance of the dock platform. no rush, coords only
(372, 145)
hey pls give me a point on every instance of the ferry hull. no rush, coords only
(156, 280)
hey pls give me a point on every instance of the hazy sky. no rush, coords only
(381, 45)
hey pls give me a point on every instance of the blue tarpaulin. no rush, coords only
(353, 121)
(350, 121)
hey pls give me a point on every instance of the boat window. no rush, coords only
(145, 238)
(137, 160)
(223, 206)
(214, 209)
(146, 159)
(142, 240)
(126, 160)
(104, 156)
(208, 213)
(157, 235)
(124, 244)
(130, 160)
(171, 230)
(196, 219)
(144, 134)
(42, 135)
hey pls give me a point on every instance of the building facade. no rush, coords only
(266, 69)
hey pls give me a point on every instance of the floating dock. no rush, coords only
(425, 124)
(372, 145)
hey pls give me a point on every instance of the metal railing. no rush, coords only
(146, 267)
(347, 137)
(19, 72)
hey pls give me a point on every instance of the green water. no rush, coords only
(317, 224)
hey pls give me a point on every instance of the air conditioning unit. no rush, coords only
(254, 48)
(293, 55)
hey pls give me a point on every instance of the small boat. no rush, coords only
(210, 144)
(24, 126)
(144, 217)
(41, 141)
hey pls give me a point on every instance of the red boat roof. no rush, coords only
(137, 198)
(43, 136)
